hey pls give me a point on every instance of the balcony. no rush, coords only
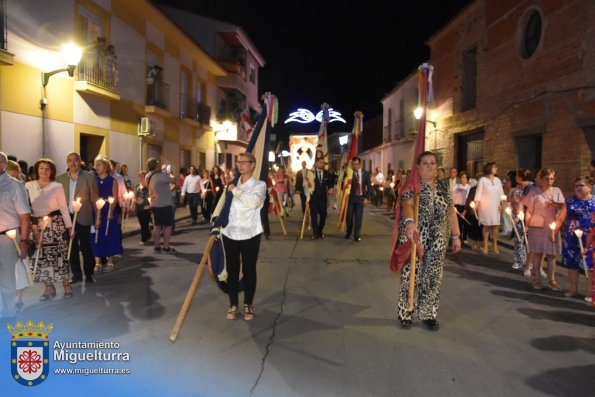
(204, 114)
(189, 110)
(98, 75)
(158, 98)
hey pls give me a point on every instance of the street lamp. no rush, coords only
(72, 56)
(418, 112)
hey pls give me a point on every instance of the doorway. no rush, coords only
(470, 152)
(90, 147)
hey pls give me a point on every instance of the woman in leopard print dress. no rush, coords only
(437, 221)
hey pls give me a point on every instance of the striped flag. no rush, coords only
(400, 253)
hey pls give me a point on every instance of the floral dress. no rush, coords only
(579, 216)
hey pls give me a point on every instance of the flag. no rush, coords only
(400, 253)
(322, 148)
(346, 172)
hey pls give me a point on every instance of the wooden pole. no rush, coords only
(192, 290)
(306, 215)
(413, 259)
(279, 209)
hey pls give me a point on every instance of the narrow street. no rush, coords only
(325, 325)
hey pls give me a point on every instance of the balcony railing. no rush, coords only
(204, 114)
(188, 107)
(158, 94)
(3, 24)
(100, 70)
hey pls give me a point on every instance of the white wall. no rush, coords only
(130, 49)
(21, 136)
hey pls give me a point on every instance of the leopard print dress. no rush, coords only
(434, 230)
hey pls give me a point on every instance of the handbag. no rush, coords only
(537, 221)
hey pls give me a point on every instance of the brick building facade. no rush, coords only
(514, 83)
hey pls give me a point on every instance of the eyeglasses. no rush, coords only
(581, 185)
(244, 162)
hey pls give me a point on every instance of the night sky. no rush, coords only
(326, 51)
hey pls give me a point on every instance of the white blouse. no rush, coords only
(244, 214)
(48, 199)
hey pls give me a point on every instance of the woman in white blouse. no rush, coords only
(48, 200)
(487, 199)
(241, 236)
(459, 199)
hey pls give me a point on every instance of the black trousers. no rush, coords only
(355, 212)
(207, 205)
(81, 244)
(193, 201)
(144, 220)
(247, 250)
(318, 215)
(303, 200)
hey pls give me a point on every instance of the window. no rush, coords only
(389, 124)
(531, 34)
(185, 158)
(470, 152)
(402, 117)
(89, 24)
(154, 151)
(3, 24)
(469, 83)
(252, 74)
(528, 151)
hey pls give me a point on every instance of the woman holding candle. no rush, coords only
(280, 186)
(544, 205)
(48, 199)
(218, 178)
(516, 200)
(577, 226)
(207, 195)
(106, 245)
(488, 203)
(459, 198)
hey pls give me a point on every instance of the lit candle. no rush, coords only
(216, 188)
(99, 205)
(473, 205)
(381, 188)
(516, 232)
(392, 185)
(553, 228)
(521, 216)
(110, 200)
(76, 206)
(504, 197)
(13, 236)
(43, 223)
(579, 235)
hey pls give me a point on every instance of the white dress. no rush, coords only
(488, 196)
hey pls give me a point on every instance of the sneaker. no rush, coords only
(516, 266)
(589, 299)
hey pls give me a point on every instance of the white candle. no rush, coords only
(473, 205)
(42, 224)
(516, 232)
(579, 235)
(553, 228)
(99, 205)
(504, 197)
(110, 200)
(13, 236)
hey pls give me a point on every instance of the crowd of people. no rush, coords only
(63, 217)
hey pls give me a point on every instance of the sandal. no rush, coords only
(248, 313)
(68, 293)
(49, 293)
(554, 285)
(232, 312)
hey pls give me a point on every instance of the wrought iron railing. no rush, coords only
(158, 94)
(188, 107)
(100, 70)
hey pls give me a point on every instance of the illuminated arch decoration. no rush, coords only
(304, 116)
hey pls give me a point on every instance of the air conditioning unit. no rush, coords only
(145, 127)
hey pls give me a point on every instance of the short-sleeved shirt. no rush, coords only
(159, 189)
(13, 202)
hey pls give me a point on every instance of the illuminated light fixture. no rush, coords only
(418, 112)
(304, 116)
(72, 56)
(343, 140)
(271, 156)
